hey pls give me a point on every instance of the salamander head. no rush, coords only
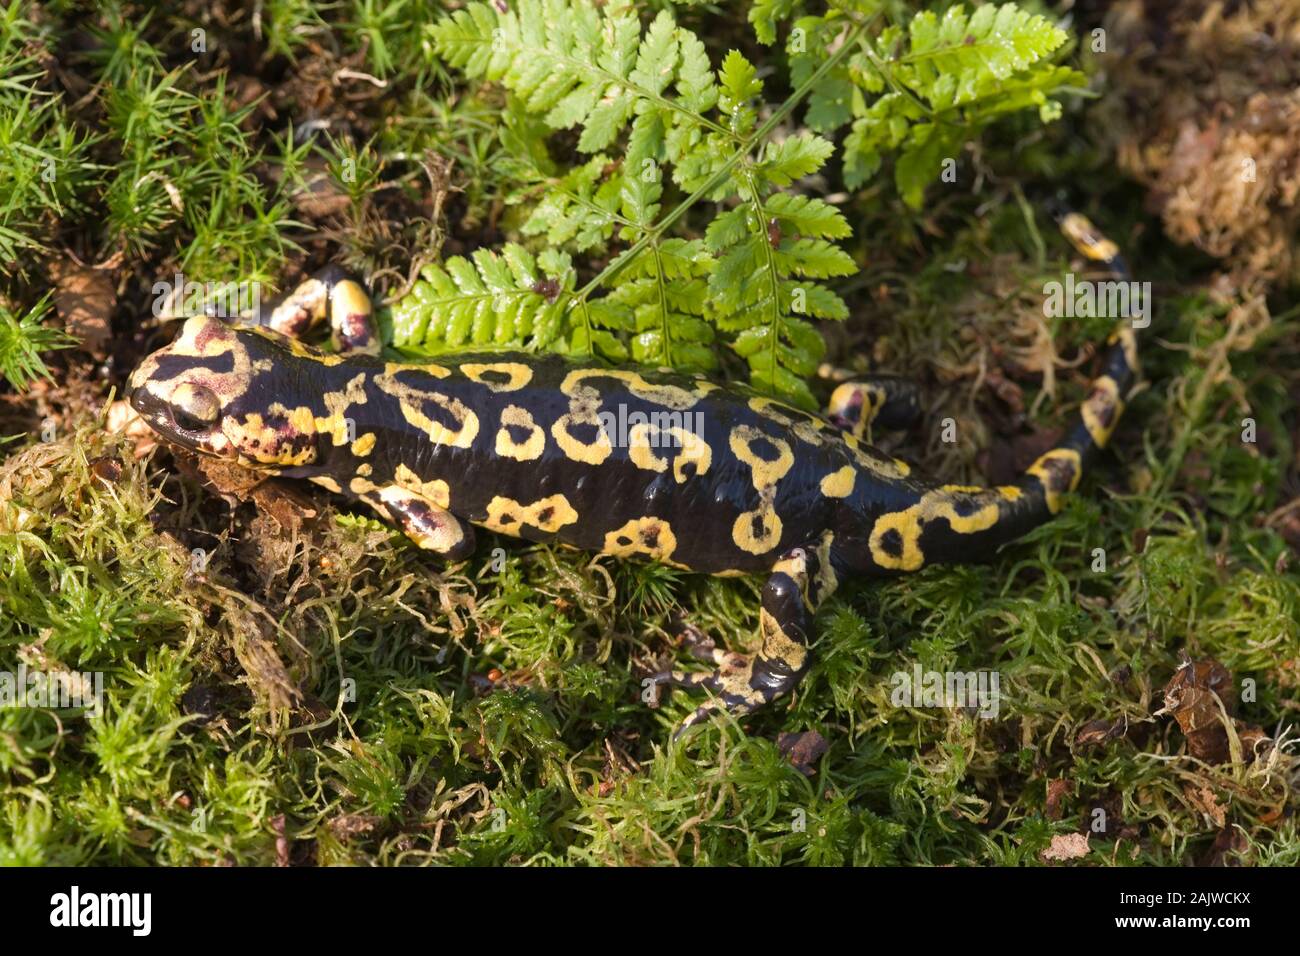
(229, 393)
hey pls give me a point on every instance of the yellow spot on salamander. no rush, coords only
(695, 455)
(518, 375)
(874, 462)
(757, 531)
(549, 514)
(364, 445)
(769, 468)
(690, 453)
(412, 399)
(531, 447)
(839, 484)
(1127, 339)
(640, 448)
(670, 396)
(1087, 238)
(335, 424)
(895, 540)
(1101, 410)
(436, 491)
(429, 368)
(302, 420)
(1058, 471)
(806, 428)
(583, 408)
(652, 537)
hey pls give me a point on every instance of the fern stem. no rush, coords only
(663, 302)
(759, 211)
(653, 233)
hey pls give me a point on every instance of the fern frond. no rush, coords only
(767, 250)
(580, 209)
(506, 300)
(582, 68)
(953, 60)
(764, 16)
(651, 95)
(937, 83)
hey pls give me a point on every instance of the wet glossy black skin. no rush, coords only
(701, 511)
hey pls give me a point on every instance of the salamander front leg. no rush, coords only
(743, 683)
(884, 400)
(429, 525)
(332, 295)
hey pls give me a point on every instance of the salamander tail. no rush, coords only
(956, 523)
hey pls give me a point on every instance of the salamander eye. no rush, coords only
(194, 407)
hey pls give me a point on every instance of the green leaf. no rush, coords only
(764, 15)
(794, 158)
(511, 299)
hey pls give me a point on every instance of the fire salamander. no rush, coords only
(652, 464)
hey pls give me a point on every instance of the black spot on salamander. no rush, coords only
(545, 515)
(623, 540)
(170, 366)
(891, 542)
(518, 433)
(494, 376)
(1060, 474)
(756, 523)
(651, 536)
(763, 449)
(420, 513)
(1103, 406)
(286, 435)
(588, 433)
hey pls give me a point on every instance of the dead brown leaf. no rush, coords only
(1204, 799)
(1193, 697)
(803, 750)
(1057, 789)
(84, 298)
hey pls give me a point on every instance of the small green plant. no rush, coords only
(22, 340)
(43, 158)
(668, 135)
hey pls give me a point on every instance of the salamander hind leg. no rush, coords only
(428, 525)
(884, 400)
(742, 683)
